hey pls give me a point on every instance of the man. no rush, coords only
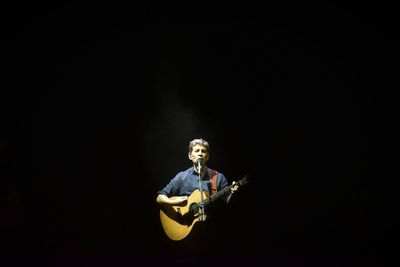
(185, 182)
(179, 190)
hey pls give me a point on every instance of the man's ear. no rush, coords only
(190, 155)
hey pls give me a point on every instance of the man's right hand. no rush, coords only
(179, 200)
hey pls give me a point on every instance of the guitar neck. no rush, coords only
(217, 195)
(223, 192)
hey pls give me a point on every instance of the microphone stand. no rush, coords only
(201, 206)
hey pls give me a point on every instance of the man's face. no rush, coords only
(199, 152)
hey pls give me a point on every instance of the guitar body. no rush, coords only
(178, 220)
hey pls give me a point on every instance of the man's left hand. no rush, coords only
(234, 187)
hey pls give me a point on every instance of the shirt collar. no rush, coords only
(206, 176)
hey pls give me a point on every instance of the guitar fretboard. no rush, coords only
(222, 193)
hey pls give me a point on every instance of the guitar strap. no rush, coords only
(213, 181)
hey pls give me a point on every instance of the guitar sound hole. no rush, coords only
(194, 208)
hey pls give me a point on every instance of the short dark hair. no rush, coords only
(198, 141)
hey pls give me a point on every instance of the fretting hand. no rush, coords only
(234, 187)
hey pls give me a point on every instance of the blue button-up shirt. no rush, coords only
(185, 182)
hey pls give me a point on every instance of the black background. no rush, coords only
(99, 102)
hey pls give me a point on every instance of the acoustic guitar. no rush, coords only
(178, 220)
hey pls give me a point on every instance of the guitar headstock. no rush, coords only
(243, 181)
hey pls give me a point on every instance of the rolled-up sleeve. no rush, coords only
(222, 181)
(172, 187)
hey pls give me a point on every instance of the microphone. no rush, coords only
(199, 164)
